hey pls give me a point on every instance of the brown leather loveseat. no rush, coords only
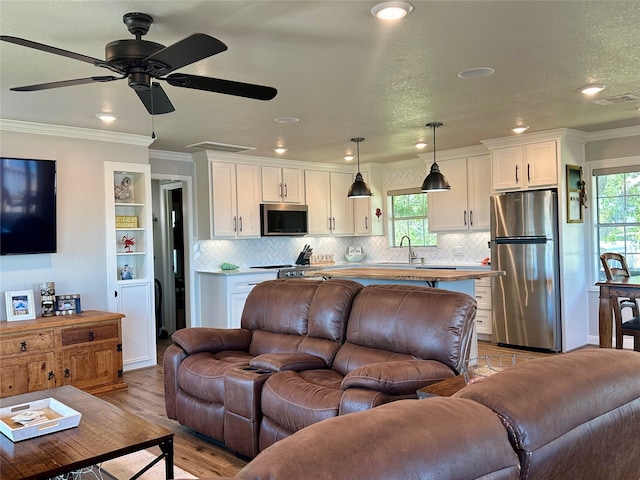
(573, 416)
(310, 350)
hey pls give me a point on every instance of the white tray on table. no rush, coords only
(59, 417)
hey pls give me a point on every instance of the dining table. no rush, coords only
(611, 291)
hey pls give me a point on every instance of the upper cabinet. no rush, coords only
(282, 185)
(466, 206)
(228, 199)
(523, 167)
(330, 210)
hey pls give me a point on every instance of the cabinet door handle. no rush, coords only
(471, 218)
(235, 224)
(366, 223)
(90, 336)
(51, 375)
(281, 190)
(528, 172)
(67, 373)
(240, 224)
(286, 191)
(23, 346)
(517, 179)
(465, 218)
(329, 223)
(333, 223)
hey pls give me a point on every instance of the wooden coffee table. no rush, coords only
(105, 432)
(444, 388)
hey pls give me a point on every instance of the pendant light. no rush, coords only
(358, 189)
(435, 181)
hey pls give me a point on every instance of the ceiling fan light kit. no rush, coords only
(359, 188)
(143, 63)
(435, 181)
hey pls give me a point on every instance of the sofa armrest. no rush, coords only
(204, 339)
(297, 361)
(397, 378)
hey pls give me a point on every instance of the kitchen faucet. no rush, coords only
(412, 254)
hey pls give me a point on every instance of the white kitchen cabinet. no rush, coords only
(228, 199)
(284, 185)
(522, 167)
(362, 212)
(466, 206)
(330, 210)
(223, 297)
(130, 272)
(484, 315)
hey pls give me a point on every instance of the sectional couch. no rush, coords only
(310, 350)
(573, 416)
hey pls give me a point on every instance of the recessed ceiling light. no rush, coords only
(348, 158)
(421, 145)
(520, 129)
(591, 89)
(286, 120)
(476, 72)
(391, 10)
(106, 117)
(280, 150)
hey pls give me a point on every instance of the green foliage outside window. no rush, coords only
(618, 216)
(409, 217)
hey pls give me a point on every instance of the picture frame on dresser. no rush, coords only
(20, 305)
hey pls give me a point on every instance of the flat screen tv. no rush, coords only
(27, 206)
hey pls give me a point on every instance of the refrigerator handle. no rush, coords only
(519, 240)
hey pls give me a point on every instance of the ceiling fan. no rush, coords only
(142, 62)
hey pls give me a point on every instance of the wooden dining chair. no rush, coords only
(615, 266)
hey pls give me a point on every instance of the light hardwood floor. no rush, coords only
(194, 453)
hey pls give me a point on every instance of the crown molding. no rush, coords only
(170, 156)
(614, 133)
(74, 132)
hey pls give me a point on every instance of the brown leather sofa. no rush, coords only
(310, 350)
(573, 416)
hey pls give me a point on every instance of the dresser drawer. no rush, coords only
(26, 342)
(90, 333)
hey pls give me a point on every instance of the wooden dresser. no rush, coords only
(83, 350)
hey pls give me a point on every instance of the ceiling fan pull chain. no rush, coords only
(153, 124)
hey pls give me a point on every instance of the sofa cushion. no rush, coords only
(414, 322)
(397, 378)
(202, 375)
(296, 400)
(434, 439)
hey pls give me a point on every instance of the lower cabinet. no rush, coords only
(484, 315)
(83, 350)
(222, 297)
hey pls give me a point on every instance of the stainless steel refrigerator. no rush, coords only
(524, 244)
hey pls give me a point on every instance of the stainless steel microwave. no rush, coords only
(283, 219)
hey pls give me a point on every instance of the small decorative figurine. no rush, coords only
(128, 242)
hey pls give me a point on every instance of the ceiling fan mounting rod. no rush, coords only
(137, 23)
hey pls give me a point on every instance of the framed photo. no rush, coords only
(575, 194)
(20, 305)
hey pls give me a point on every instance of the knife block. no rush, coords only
(302, 259)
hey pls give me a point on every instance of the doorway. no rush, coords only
(171, 255)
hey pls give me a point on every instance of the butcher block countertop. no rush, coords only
(418, 274)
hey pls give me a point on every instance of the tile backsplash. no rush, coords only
(452, 248)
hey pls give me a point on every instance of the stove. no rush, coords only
(288, 271)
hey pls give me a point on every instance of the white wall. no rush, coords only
(80, 262)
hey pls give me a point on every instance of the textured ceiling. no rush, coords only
(340, 70)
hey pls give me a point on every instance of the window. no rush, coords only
(409, 217)
(617, 211)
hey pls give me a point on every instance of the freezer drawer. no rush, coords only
(525, 301)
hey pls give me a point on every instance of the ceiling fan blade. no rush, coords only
(161, 103)
(228, 87)
(56, 51)
(65, 83)
(186, 51)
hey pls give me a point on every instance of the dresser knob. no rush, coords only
(23, 346)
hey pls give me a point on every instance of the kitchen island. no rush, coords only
(455, 280)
